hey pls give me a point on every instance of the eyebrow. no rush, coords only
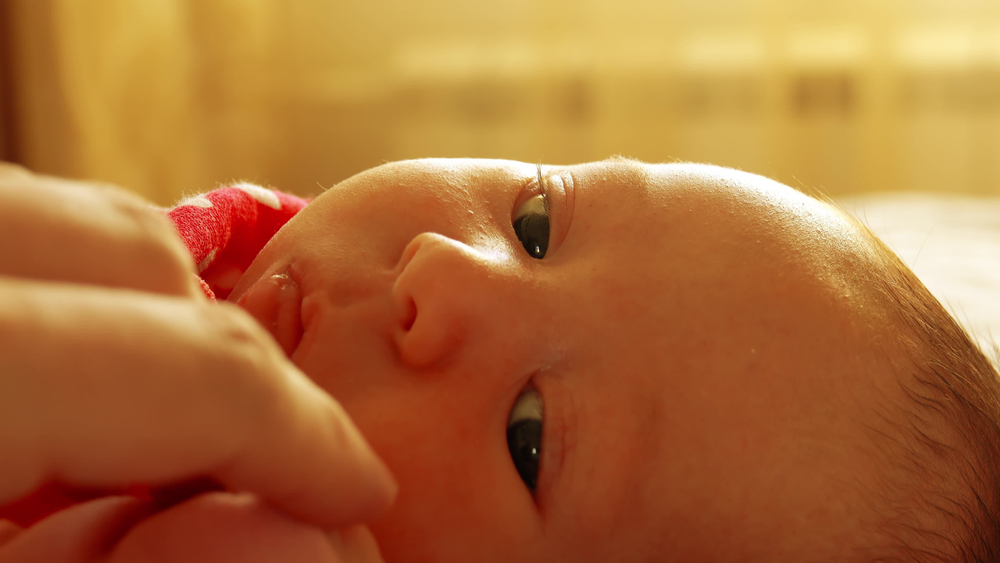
(635, 171)
(622, 158)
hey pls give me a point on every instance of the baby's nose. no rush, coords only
(447, 293)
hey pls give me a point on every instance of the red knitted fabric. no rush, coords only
(224, 230)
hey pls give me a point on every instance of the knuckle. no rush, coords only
(250, 376)
(239, 330)
(157, 248)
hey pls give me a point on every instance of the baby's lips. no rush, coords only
(288, 327)
(276, 303)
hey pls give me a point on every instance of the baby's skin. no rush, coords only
(687, 357)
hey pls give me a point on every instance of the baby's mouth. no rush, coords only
(276, 302)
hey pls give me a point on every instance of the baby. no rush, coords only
(619, 361)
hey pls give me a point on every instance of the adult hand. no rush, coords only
(114, 370)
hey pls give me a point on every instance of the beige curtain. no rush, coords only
(173, 96)
(6, 110)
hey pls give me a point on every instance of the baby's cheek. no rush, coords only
(481, 510)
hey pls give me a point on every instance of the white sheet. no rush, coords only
(952, 243)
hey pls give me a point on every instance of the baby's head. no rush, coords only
(618, 361)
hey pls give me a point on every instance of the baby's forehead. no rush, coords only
(741, 208)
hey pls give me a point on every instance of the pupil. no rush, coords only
(524, 440)
(533, 232)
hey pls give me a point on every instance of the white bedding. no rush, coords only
(953, 245)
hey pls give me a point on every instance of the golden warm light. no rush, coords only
(169, 96)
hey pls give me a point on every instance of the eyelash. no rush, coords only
(526, 435)
(531, 221)
(543, 189)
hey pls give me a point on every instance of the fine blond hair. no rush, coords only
(941, 444)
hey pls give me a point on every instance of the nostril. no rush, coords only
(436, 297)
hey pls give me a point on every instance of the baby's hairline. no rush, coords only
(946, 423)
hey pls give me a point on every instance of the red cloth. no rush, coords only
(224, 230)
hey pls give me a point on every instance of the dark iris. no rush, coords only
(532, 230)
(524, 440)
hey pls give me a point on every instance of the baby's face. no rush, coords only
(691, 339)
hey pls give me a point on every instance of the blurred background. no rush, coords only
(174, 96)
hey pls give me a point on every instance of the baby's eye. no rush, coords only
(531, 225)
(524, 435)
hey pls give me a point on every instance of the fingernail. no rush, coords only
(355, 544)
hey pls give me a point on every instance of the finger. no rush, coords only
(88, 233)
(84, 533)
(106, 388)
(8, 531)
(233, 527)
(11, 170)
(356, 545)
